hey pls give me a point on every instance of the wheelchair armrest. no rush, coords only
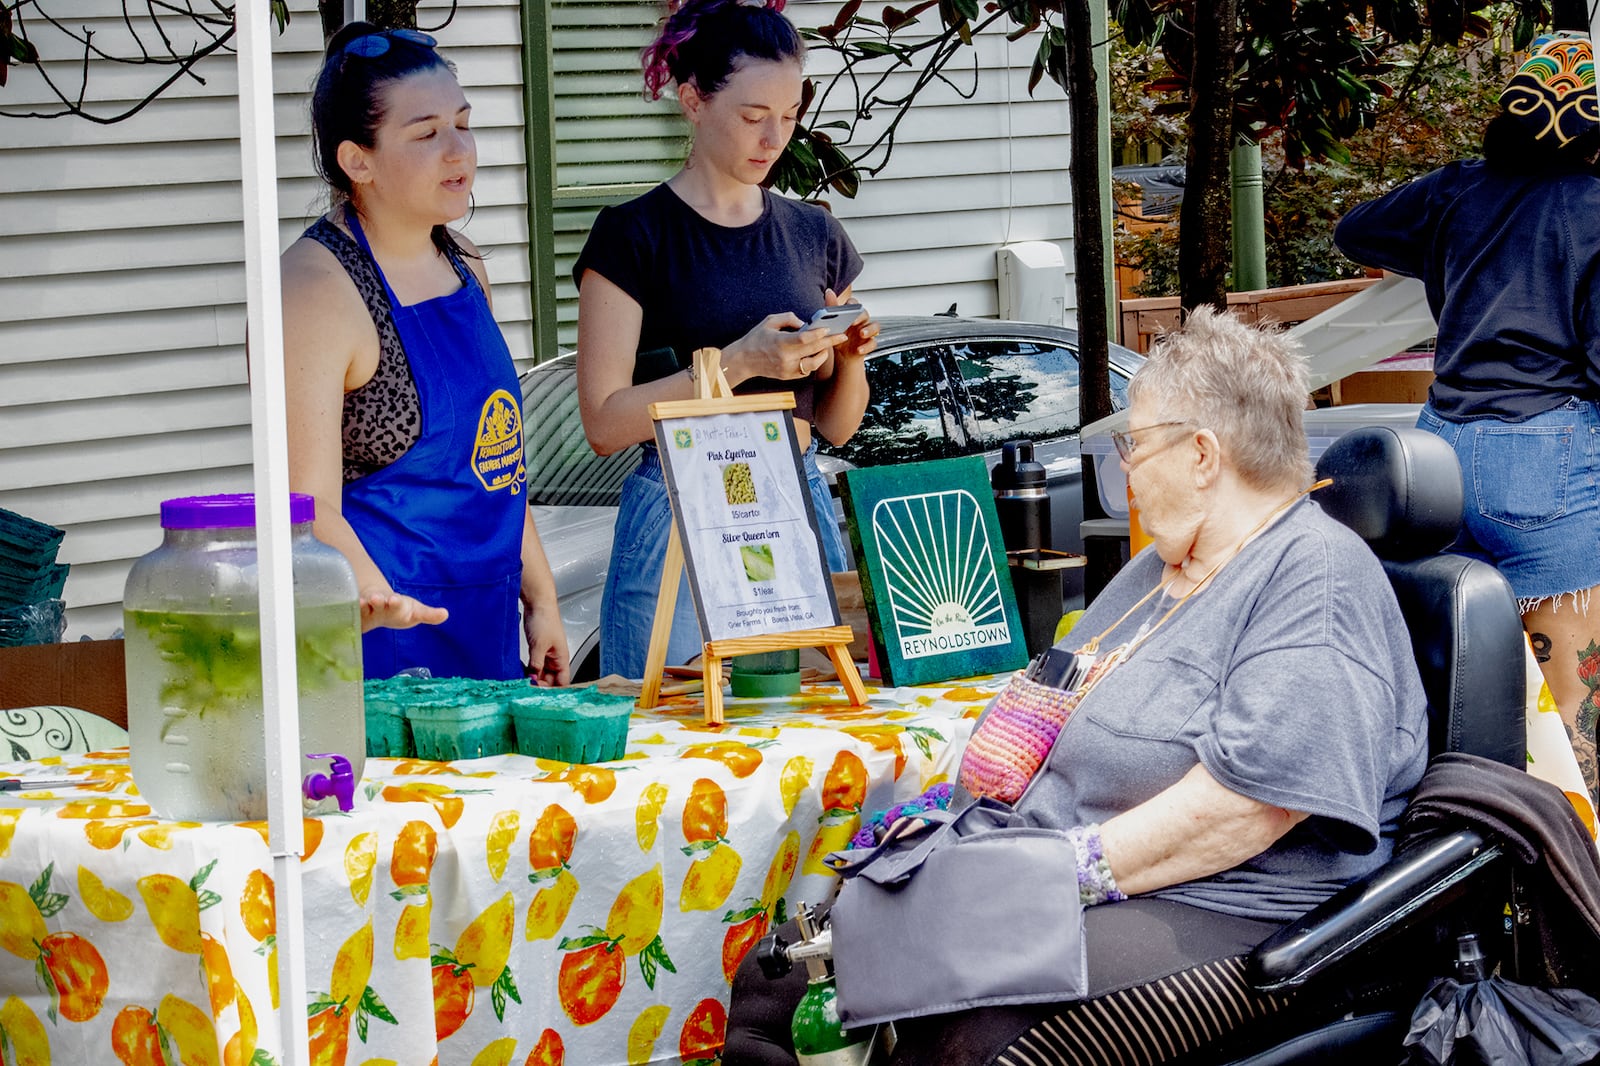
(1413, 884)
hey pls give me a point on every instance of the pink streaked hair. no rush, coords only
(683, 21)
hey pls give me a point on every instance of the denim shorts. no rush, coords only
(1532, 496)
(633, 578)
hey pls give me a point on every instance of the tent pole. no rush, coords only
(270, 453)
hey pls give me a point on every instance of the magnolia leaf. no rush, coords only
(846, 12)
(878, 48)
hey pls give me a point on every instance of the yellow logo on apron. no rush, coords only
(497, 452)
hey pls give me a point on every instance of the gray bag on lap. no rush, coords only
(976, 909)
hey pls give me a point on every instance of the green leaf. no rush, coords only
(317, 1006)
(372, 1004)
(361, 1025)
(207, 898)
(41, 977)
(268, 942)
(404, 891)
(48, 902)
(647, 970)
(23, 51)
(780, 911)
(262, 1058)
(169, 1054)
(700, 845)
(200, 878)
(744, 914)
(41, 884)
(504, 986)
(548, 875)
(653, 959)
(577, 943)
(659, 948)
(877, 48)
(967, 9)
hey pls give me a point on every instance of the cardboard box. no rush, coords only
(87, 674)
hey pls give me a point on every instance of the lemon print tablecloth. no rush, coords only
(483, 913)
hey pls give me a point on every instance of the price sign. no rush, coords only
(744, 529)
(744, 509)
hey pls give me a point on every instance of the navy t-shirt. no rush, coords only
(704, 285)
(1511, 264)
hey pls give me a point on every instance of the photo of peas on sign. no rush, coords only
(748, 526)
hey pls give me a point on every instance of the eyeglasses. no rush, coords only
(374, 45)
(1126, 445)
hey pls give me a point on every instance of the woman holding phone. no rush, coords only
(710, 258)
(405, 416)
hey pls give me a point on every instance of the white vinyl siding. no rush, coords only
(122, 360)
(967, 176)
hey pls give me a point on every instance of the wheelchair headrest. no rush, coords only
(1399, 489)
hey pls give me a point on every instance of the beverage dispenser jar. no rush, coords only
(196, 729)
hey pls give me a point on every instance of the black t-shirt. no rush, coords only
(1511, 264)
(704, 285)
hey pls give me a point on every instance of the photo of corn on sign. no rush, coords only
(747, 523)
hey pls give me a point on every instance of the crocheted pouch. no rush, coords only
(1015, 738)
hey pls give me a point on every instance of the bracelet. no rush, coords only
(1096, 884)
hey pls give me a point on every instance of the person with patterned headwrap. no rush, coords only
(1508, 248)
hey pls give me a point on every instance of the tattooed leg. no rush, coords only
(1566, 641)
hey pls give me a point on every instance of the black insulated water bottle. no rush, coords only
(1022, 501)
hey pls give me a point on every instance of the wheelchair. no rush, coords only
(1359, 963)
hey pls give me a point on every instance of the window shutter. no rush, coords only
(611, 144)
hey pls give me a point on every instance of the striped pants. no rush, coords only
(1166, 979)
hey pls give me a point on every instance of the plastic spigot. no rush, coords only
(338, 781)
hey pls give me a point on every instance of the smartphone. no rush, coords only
(835, 319)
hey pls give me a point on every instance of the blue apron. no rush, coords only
(444, 522)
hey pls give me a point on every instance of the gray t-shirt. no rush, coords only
(1290, 678)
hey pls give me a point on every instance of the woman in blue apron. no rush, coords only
(405, 414)
(712, 259)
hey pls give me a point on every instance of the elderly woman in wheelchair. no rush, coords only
(1226, 754)
(1232, 741)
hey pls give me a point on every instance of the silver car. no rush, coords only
(941, 386)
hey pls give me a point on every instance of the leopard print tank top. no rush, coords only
(383, 418)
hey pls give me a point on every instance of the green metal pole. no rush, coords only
(1100, 28)
(1249, 218)
(538, 131)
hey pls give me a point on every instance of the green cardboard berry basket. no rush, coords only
(467, 727)
(388, 730)
(577, 725)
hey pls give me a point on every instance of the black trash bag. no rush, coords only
(1494, 1022)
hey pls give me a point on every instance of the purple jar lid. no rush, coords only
(228, 511)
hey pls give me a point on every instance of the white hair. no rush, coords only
(1246, 385)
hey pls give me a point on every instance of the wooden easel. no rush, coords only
(713, 395)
